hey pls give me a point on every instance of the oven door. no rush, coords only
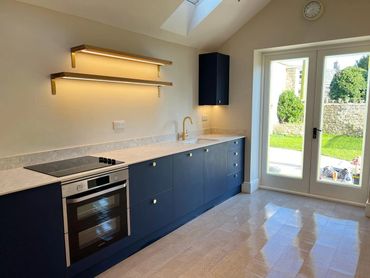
(96, 219)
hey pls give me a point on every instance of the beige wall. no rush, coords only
(280, 24)
(35, 42)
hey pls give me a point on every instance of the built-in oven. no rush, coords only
(96, 213)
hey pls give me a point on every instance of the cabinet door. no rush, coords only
(149, 178)
(152, 214)
(31, 234)
(215, 160)
(188, 181)
(234, 180)
(207, 79)
(214, 79)
(223, 62)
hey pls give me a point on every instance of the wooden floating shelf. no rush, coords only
(88, 49)
(103, 78)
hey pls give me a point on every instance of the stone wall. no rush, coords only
(288, 129)
(339, 119)
(344, 118)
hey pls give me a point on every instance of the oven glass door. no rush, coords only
(96, 219)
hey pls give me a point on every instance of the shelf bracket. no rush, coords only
(159, 91)
(159, 70)
(73, 59)
(53, 87)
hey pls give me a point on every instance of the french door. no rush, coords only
(315, 107)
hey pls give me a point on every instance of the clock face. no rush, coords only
(313, 10)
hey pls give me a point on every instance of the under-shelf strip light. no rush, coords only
(122, 57)
(102, 78)
(88, 49)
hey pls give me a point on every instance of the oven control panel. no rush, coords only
(90, 183)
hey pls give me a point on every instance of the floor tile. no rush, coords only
(267, 234)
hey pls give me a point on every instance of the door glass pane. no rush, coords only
(100, 206)
(102, 232)
(287, 106)
(343, 118)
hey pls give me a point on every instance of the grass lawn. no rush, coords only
(341, 147)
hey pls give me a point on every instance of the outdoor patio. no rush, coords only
(288, 162)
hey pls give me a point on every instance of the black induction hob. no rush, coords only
(73, 166)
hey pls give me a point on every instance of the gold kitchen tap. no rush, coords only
(184, 133)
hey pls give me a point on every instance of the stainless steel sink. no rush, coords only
(199, 141)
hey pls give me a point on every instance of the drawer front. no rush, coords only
(235, 160)
(152, 214)
(237, 144)
(150, 178)
(234, 180)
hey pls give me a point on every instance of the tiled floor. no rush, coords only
(266, 234)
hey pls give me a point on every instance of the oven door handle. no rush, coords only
(84, 198)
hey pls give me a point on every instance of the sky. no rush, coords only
(343, 60)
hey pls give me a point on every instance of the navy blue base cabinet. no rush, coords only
(149, 178)
(152, 214)
(31, 234)
(151, 196)
(166, 193)
(215, 171)
(188, 181)
(235, 163)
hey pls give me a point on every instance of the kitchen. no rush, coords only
(118, 134)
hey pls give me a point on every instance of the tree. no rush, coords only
(363, 62)
(290, 108)
(349, 85)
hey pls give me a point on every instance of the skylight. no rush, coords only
(188, 15)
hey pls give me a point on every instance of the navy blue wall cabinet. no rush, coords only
(31, 234)
(214, 79)
(215, 162)
(188, 181)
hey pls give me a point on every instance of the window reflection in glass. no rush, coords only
(104, 231)
(101, 207)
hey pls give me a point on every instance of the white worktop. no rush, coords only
(18, 179)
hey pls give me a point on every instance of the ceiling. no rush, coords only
(147, 16)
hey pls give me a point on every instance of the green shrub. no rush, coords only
(363, 62)
(290, 108)
(349, 85)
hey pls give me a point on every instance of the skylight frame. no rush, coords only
(193, 2)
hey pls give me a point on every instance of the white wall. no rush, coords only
(35, 42)
(279, 24)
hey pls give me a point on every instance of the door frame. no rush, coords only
(311, 47)
(280, 181)
(349, 193)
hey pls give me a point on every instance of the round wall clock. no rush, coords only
(313, 10)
